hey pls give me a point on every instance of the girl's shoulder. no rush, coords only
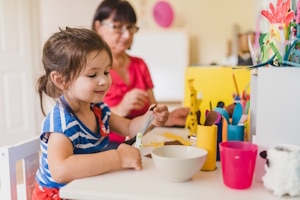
(58, 119)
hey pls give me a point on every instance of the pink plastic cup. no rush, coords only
(238, 162)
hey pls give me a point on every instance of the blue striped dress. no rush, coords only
(61, 120)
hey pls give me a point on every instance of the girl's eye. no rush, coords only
(92, 75)
(106, 72)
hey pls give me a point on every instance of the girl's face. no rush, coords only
(118, 41)
(94, 81)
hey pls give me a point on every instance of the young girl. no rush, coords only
(77, 63)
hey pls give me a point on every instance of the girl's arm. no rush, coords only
(130, 128)
(65, 166)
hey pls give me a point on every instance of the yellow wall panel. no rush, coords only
(216, 84)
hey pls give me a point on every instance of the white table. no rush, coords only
(149, 184)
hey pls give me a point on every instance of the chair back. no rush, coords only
(27, 152)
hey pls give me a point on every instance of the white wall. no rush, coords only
(166, 61)
(62, 13)
(209, 23)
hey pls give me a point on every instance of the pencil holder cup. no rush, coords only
(207, 139)
(236, 132)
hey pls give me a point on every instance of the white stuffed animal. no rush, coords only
(282, 170)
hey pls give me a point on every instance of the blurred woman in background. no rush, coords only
(131, 92)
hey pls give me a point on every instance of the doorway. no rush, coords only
(20, 115)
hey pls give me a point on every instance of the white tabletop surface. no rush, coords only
(149, 184)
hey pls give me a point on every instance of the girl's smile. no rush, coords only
(102, 92)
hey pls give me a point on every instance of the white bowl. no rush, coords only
(178, 163)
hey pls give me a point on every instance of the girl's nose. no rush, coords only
(101, 81)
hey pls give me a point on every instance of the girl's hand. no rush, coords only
(161, 114)
(130, 157)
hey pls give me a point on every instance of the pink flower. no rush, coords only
(298, 13)
(280, 14)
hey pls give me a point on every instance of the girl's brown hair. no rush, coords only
(66, 52)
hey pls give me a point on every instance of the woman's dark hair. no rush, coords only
(66, 52)
(121, 10)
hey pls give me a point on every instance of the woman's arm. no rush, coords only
(135, 99)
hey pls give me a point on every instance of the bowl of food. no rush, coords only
(178, 163)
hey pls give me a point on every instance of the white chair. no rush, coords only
(27, 152)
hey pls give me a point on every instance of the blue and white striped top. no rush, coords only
(84, 141)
